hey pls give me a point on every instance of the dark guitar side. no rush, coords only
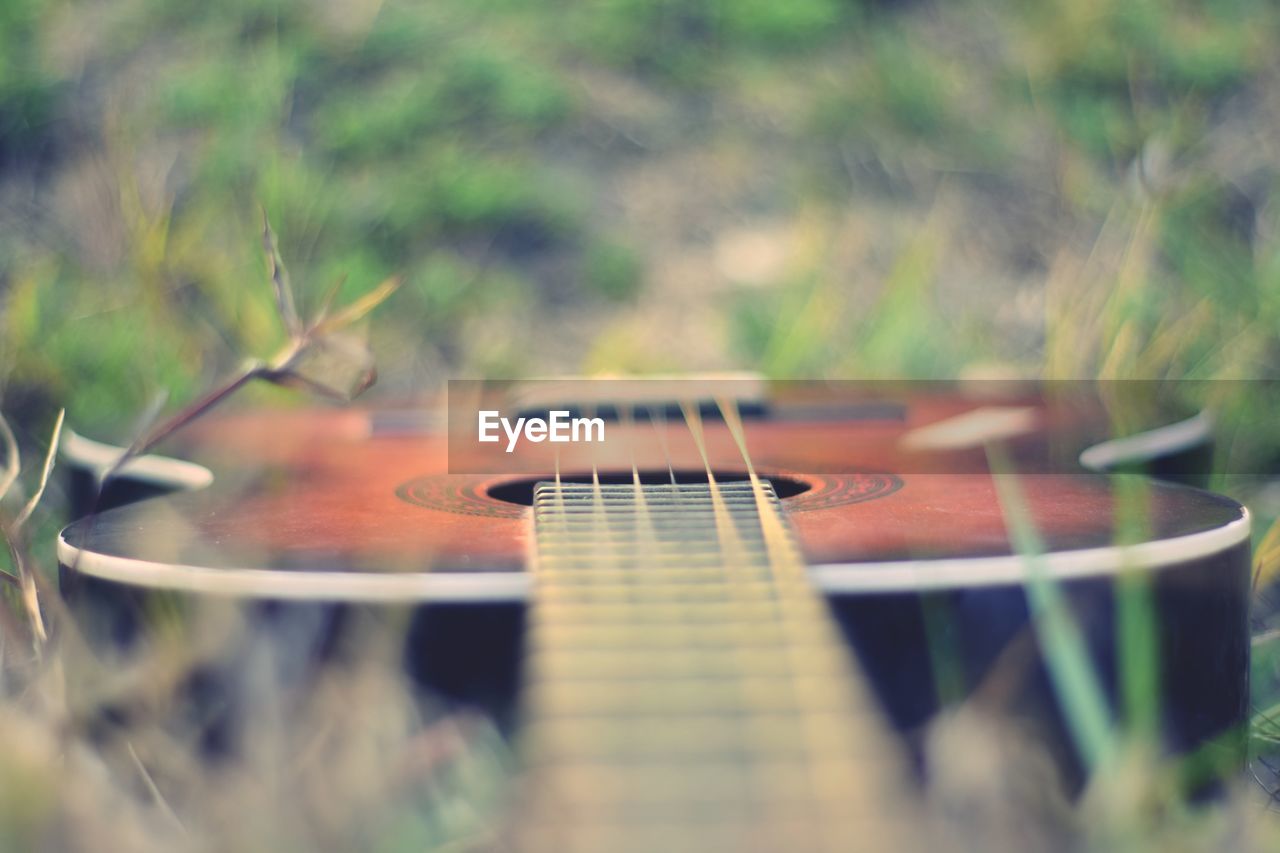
(315, 514)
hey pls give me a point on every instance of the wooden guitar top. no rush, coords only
(361, 503)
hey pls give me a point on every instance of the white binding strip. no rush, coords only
(99, 457)
(1012, 568)
(1149, 445)
(479, 586)
(973, 428)
(299, 585)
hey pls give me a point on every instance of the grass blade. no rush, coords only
(1079, 691)
(280, 281)
(49, 458)
(12, 460)
(344, 317)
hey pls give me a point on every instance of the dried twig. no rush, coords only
(12, 461)
(317, 356)
(13, 530)
(154, 790)
(324, 325)
(280, 280)
(27, 591)
(153, 436)
(49, 457)
(326, 303)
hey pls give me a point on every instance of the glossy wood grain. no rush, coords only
(327, 490)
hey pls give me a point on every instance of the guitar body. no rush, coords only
(321, 512)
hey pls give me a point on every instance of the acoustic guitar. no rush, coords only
(725, 627)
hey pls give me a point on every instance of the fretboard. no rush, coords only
(686, 689)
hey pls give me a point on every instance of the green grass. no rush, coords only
(1062, 189)
(462, 134)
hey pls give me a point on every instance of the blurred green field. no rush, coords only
(811, 189)
(816, 188)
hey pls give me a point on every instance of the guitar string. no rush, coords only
(731, 552)
(837, 789)
(731, 561)
(603, 544)
(575, 597)
(734, 553)
(658, 417)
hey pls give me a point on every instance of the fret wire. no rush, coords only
(728, 502)
(785, 558)
(587, 633)
(711, 663)
(670, 631)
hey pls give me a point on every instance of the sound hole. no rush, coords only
(520, 492)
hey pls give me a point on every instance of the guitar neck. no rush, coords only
(686, 688)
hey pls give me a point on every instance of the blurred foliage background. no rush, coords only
(809, 188)
(815, 188)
